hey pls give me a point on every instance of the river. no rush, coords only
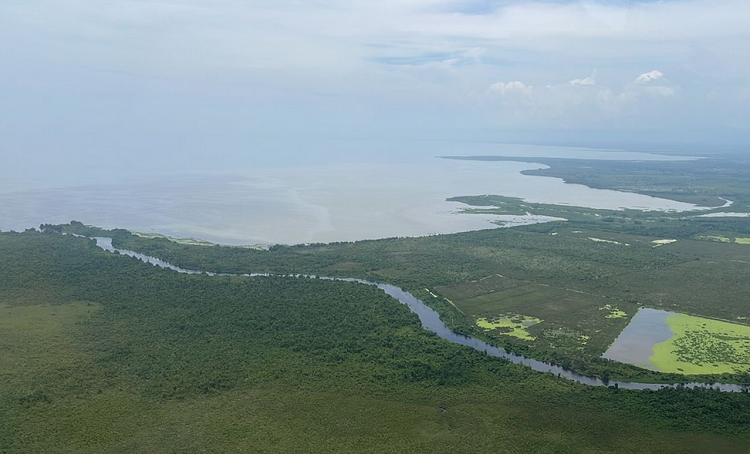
(431, 321)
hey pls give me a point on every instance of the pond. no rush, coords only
(635, 344)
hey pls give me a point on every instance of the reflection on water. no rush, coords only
(635, 344)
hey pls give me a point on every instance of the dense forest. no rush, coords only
(102, 353)
(691, 276)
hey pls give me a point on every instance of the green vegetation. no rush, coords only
(573, 322)
(192, 241)
(613, 311)
(512, 325)
(502, 205)
(702, 346)
(719, 238)
(102, 353)
(562, 279)
(727, 238)
(705, 182)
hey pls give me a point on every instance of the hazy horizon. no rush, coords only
(131, 86)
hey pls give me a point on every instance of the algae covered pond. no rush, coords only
(679, 343)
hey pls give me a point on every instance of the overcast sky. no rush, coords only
(85, 84)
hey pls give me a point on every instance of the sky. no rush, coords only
(98, 88)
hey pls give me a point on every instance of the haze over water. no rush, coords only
(320, 202)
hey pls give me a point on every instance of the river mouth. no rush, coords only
(314, 203)
(431, 321)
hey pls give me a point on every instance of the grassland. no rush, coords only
(510, 325)
(725, 239)
(103, 354)
(702, 346)
(568, 322)
(613, 312)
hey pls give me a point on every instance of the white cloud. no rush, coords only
(648, 77)
(566, 105)
(584, 81)
(503, 88)
(312, 52)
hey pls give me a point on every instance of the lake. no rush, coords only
(319, 202)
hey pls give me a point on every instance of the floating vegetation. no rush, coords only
(703, 346)
(511, 325)
(613, 311)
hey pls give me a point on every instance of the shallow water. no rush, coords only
(635, 344)
(313, 203)
(725, 215)
(431, 321)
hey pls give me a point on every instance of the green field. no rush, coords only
(703, 346)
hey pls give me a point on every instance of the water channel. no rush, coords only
(431, 321)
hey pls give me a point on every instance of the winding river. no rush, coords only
(431, 322)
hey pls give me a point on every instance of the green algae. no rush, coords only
(613, 311)
(703, 346)
(513, 325)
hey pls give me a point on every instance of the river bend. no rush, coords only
(431, 321)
